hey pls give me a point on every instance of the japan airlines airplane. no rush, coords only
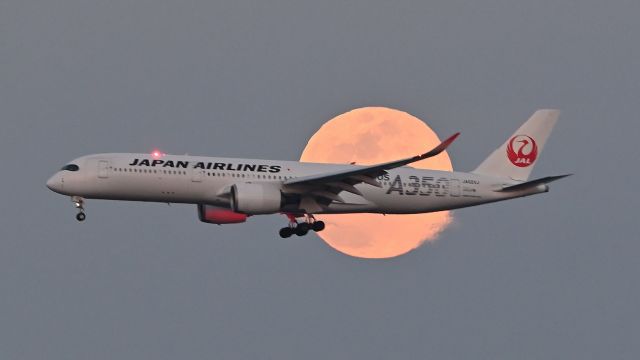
(228, 190)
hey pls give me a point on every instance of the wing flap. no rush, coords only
(343, 186)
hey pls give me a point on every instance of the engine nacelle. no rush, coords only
(254, 199)
(218, 215)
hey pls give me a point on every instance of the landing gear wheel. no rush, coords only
(317, 226)
(302, 229)
(286, 232)
(78, 203)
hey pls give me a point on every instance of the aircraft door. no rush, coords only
(454, 187)
(197, 175)
(103, 169)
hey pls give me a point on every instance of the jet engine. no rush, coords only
(254, 199)
(218, 215)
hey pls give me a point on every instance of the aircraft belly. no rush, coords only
(338, 208)
(153, 189)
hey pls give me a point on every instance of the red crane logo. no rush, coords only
(526, 153)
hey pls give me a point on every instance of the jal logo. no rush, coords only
(522, 150)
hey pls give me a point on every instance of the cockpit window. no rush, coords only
(71, 167)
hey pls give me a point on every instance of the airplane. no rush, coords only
(229, 190)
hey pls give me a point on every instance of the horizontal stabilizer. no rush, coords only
(533, 183)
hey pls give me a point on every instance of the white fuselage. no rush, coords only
(202, 180)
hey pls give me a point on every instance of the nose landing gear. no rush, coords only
(302, 228)
(78, 202)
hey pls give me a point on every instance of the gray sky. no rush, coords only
(553, 276)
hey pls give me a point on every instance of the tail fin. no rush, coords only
(518, 155)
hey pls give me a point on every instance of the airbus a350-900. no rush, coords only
(229, 190)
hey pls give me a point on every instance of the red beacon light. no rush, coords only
(157, 154)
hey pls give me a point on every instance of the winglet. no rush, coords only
(440, 148)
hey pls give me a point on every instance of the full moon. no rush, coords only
(373, 135)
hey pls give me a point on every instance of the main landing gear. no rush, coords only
(302, 228)
(78, 202)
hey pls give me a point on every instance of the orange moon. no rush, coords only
(372, 135)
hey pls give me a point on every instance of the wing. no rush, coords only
(328, 185)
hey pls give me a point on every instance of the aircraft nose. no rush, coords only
(55, 183)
